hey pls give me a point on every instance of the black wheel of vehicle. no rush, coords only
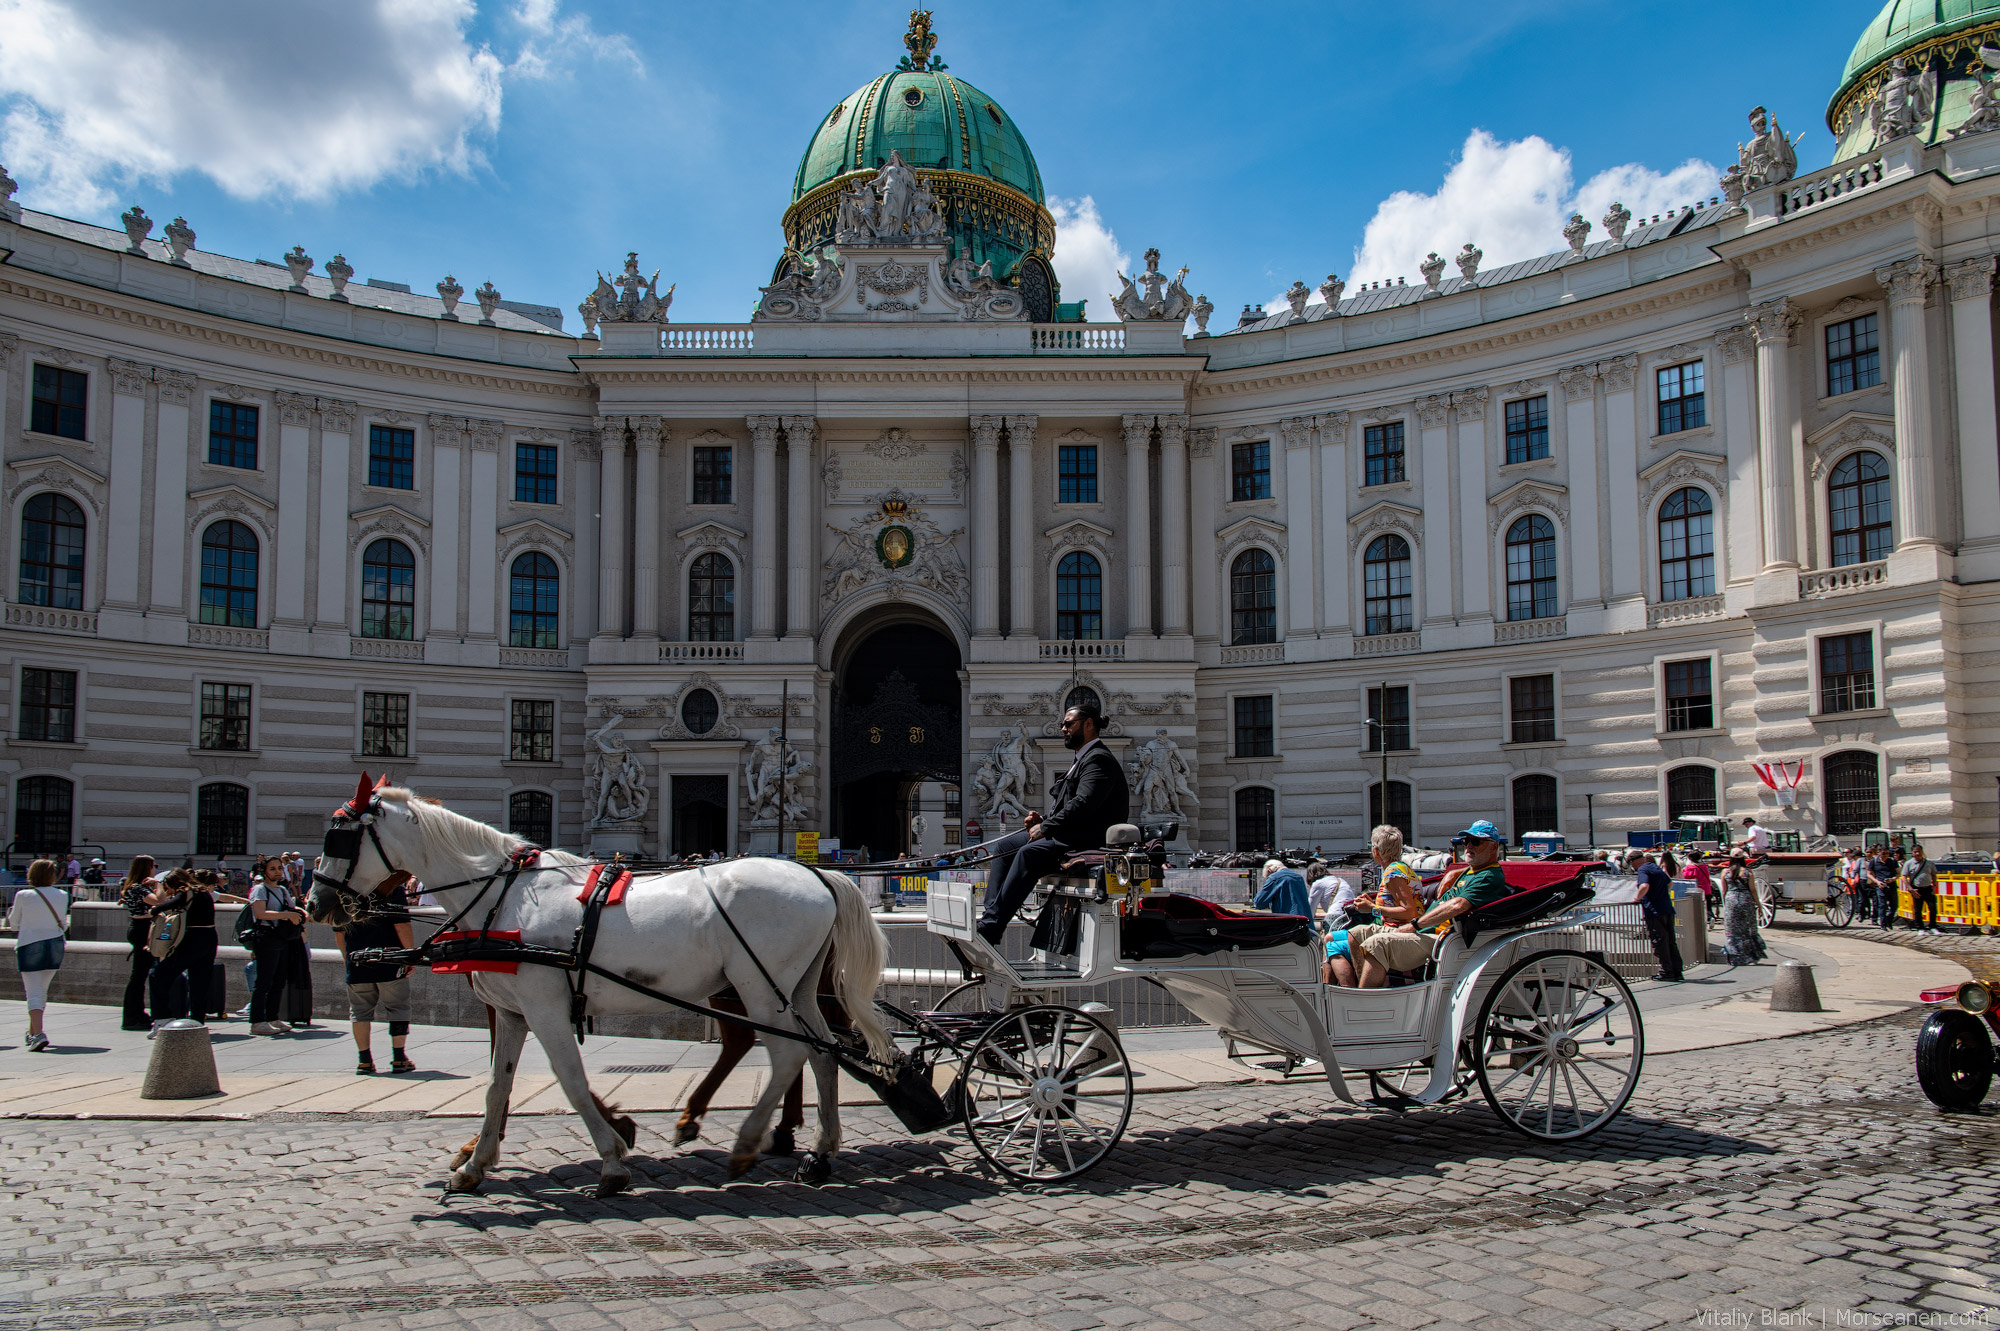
(1840, 910)
(1047, 1093)
(1954, 1059)
(1558, 1046)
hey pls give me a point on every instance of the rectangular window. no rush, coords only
(711, 476)
(59, 399)
(1382, 449)
(1683, 398)
(1690, 695)
(1528, 429)
(534, 473)
(1847, 672)
(1250, 471)
(385, 725)
(1076, 475)
(533, 733)
(225, 716)
(1853, 355)
(232, 435)
(1531, 709)
(392, 457)
(48, 705)
(1254, 734)
(1397, 815)
(1390, 730)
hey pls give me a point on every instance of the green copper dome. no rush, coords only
(1939, 35)
(934, 119)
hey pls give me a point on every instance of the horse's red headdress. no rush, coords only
(364, 791)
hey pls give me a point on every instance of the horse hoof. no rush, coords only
(612, 1186)
(782, 1142)
(459, 1183)
(739, 1165)
(687, 1131)
(814, 1169)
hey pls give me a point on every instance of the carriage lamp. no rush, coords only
(1975, 997)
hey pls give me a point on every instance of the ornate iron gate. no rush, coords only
(897, 732)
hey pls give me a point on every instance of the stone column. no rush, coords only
(1021, 527)
(170, 470)
(1908, 284)
(447, 482)
(611, 526)
(1300, 614)
(986, 526)
(1621, 474)
(9, 344)
(1772, 324)
(336, 445)
(482, 542)
(1744, 553)
(1972, 373)
(288, 587)
(802, 514)
(1579, 387)
(1332, 524)
(583, 447)
(647, 436)
(763, 526)
(1173, 527)
(1435, 486)
(1138, 526)
(1476, 573)
(1205, 578)
(129, 385)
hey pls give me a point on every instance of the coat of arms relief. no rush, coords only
(897, 544)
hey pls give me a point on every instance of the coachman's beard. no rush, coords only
(1074, 740)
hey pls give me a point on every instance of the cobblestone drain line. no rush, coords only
(1961, 1148)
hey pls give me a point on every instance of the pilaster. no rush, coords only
(1908, 284)
(447, 485)
(647, 437)
(763, 525)
(1138, 526)
(611, 527)
(1021, 526)
(802, 508)
(1333, 501)
(986, 526)
(1978, 430)
(1475, 591)
(1300, 616)
(1174, 615)
(1772, 325)
(1440, 541)
(130, 384)
(170, 472)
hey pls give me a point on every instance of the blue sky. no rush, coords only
(530, 142)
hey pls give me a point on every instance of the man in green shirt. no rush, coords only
(1407, 947)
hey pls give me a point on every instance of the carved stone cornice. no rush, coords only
(1578, 381)
(1470, 403)
(1138, 430)
(799, 431)
(1618, 373)
(1431, 410)
(986, 433)
(295, 408)
(1021, 431)
(130, 378)
(1297, 431)
(1173, 431)
(1773, 322)
(1972, 279)
(763, 431)
(1332, 426)
(1737, 344)
(176, 388)
(1908, 280)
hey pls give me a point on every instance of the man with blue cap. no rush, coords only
(1407, 947)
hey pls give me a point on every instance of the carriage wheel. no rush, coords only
(1047, 1093)
(1954, 1059)
(1767, 908)
(1558, 1046)
(1840, 910)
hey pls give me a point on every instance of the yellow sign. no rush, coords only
(805, 847)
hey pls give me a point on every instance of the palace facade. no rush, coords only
(1580, 541)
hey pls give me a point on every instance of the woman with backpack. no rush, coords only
(40, 916)
(190, 956)
(275, 931)
(137, 899)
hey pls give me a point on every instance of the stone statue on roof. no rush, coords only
(1983, 100)
(1172, 303)
(1904, 102)
(1769, 158)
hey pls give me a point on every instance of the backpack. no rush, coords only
(249, 929)
(165, 933)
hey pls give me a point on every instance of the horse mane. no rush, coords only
(471, 842)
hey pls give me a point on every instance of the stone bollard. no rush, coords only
(1104, 1012)
(182, 1066)
(1794, 990)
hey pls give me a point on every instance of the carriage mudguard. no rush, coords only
(1444, 1061)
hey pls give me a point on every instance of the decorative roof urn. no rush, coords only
(1576, 233)
(1467, 260)
(1433, 270)
(1329, 291)
(180, 239)
(137, 227)
(1202, 309)
(1617, 220)
(449, 291)
(8, 208)
(338, 271)
(300, 263)
(488, 297)
(1296, 296)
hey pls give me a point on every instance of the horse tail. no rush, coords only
(860, 950)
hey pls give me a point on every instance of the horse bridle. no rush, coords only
(343, 842)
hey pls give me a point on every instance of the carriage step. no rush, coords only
(1043, 970)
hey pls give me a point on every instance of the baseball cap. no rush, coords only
(1484, 830)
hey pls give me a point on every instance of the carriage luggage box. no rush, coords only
(952, 908)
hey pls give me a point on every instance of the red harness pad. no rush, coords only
(466, 967)
(616, 895)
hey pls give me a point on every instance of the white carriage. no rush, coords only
(1549, 1032)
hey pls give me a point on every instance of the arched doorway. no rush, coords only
(896, 727)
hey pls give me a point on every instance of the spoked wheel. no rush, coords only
(1954, 1059)
(1558, 1046)
(1767, 908)
(1047, 1093)
(1840, 909)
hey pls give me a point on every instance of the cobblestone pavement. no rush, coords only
(1798, 1176)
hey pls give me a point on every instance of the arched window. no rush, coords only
(229, 575)
(1253, 598)
(1853, 792)
(52, 553)
(1690, 793)
(1858, 499)
(1385, 574)
(1082, 694)
(1398, 814)
(222, 819)
(699, 712)
(531, 815)
(1079, 597)
(1687, 545)
(1531, 569)
(388, 591)
(42, 807)
(1256, 818)
(712, 600)
(1535, 808)
(533, 588)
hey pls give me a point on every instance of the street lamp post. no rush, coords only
(1380, 722)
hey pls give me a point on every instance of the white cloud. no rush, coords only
(1088, 258)
(305, 99)
(1511, 200)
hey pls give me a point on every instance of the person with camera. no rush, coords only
(275, 927)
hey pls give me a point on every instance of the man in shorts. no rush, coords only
(379, 993)
(1407, 947)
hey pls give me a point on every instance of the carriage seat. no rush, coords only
(1519, 909)
(1173, 924)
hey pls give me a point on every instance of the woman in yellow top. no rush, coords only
(1395, 900)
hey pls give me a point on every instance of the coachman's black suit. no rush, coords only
(1085, 802)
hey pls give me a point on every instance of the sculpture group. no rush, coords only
(774, 778)
(896, 208)
(614, 782)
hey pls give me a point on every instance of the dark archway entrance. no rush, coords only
(896, 725)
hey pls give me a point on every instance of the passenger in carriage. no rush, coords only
(1394, 901)
(1283, 891)
(1407, 946)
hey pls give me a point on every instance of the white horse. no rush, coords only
(668, 935)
